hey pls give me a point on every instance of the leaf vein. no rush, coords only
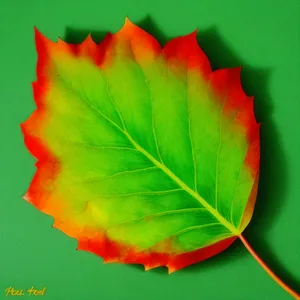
(197, 227)
(89, 104)
(159, 214)
(234, 195)
(218, 153)
(87, 145)
(163, 192)
(119, 174)
(151, 104)
(113, 102)
(191, 138)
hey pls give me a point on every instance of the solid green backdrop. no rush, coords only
(261, 35)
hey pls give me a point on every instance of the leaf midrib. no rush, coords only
(164, 168)
(185, 187)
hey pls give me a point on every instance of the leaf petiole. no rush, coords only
(289, 290)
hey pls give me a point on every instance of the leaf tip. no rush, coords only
(127, 21)
(60, 41)
(54, 225)
(37, 34)
(191, 38)
(195, 32)
(146, 268)
(38, 37)
(127, 24)
(26, 196)
(171, 270)
(41, 41)
(88, 40)
(238, 71)
(149, 267)
(35, 30)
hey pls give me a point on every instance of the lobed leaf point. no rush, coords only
(195, 32)
(88, 38)
(26, 197)
(150, 267)
(147, 268)
(39, 37)
(192, 37)
(171, 270)
(127, 24)
(36, 31)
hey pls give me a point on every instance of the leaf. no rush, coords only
(144, 154)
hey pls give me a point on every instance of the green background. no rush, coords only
(261, 35)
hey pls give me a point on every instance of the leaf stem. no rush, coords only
(268, 270)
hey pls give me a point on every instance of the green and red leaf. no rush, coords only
(144, 154)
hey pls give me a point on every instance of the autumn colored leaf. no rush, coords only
(144, 154)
